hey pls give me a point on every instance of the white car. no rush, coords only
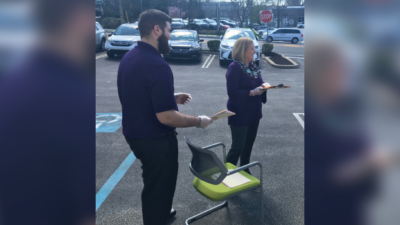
(123, 39)
(267, 30)
(285, 34)
(229, 39)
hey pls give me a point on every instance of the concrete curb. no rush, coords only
(279, 66)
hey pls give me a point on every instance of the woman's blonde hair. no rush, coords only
(240, 48)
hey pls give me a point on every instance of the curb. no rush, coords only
(279, 66)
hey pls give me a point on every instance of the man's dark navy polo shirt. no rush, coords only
(145, 87)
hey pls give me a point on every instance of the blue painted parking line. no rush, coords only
(114, 179)
(108, 122)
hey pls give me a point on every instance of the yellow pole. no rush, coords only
(127, 16)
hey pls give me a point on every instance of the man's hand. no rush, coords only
(205, 121)
(182, 98)
(265, 85)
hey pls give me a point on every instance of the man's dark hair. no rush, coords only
(149, 18)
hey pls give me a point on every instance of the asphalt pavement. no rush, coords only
(279, 146)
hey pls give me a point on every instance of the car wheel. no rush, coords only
(269, 39)
(103, 44)
(295, 40)
(221, 62)
(110, 54)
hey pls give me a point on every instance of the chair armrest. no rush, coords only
(216, 145)
(256, 163)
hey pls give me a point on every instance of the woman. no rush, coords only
(243, 81)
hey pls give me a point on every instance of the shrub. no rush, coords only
(110, 23)
(213, 45)
(267, 48)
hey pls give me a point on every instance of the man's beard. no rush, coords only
(163, 46)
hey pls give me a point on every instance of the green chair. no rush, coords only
(205, 163)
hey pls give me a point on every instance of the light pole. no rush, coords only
(141, 9)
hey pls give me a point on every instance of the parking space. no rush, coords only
(279, 146)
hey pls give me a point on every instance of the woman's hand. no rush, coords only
(256, 91)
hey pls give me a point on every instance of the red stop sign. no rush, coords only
(266, 16)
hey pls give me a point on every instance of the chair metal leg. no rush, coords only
(198, 216)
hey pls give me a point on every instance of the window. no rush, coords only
(127, 30)
(183, 36)
(236, 34)
(278, 32)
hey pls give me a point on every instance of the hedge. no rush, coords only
(267, 48)
(213, 45)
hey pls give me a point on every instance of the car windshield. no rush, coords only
(199, 21)
(183, 36)
(176, 21)
(236, 34)
(212, 21)
(127, 30)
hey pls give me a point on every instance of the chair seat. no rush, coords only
(220, 192)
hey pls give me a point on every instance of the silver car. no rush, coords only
(229, 39)
(100, 37)
(177, 24)
(123, 39)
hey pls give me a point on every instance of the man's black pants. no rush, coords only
(159, 157)
(243, 138)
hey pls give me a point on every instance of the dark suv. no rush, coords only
(185, 44)
(212, 25)
(198, 24)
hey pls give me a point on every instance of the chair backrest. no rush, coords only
(206, 165)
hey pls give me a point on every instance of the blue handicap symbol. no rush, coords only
(108, 122)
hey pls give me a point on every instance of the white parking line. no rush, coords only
(210, 61)
(206, 61)
(295, 57)
(301, 121)
(101, 56)
(300, 61)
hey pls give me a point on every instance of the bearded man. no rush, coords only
(150, 115)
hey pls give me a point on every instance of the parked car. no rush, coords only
(212, 25)
(198, 24)
(186, 23)
(177, 23)
(229, 39)
(267, 30)
(123, 39)
(100, 37)
(300, 25)
(262, 27)
(225, 27)
(230, 24)
(185, 44)
(285, 34)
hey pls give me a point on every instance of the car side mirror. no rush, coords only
(220, 37)
(201, 40)
(256, 38)
(110, 34)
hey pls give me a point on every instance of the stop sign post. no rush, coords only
(266, 17)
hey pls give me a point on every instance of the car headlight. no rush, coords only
(225, 46)
(194, 47)
(132, 42)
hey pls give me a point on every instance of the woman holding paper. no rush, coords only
(243, 81)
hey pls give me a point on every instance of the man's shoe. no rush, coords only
(172, 214)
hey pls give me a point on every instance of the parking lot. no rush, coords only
(279, 145)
